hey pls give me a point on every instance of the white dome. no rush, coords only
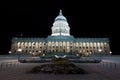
(60, 26)
(60, 17)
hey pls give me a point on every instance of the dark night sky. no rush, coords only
(35, 19)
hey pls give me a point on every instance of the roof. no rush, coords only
(60, 38)
(28, 39)
(60, 17)
(91, 39)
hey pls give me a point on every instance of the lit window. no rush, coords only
(94, 44)
(105, 43)
(87, 44)
(76, 44)
(67, 43)
(83, 44)
(64, 43)
(18, 43)
(98, 44)
(60, 43)
(91, 44)
(101, 44)
(56, 43)
(25, 43)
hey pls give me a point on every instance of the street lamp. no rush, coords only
(100, 50)
(110, 52)
(9, 52)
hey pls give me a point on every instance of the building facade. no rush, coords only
(60, 41)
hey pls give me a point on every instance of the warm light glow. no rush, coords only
(110, 52)
(77, 54)
(9, 52)
(87, 54)
(43, 55)
(19, 50)
(98, 44)
(67, 47)
(83, 43)
(33, 53)
(39, 51)
(100, 50)
(90, 52)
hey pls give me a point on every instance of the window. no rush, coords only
(67, 43)
(83, 44)
(25, 50)
(87, 44)
(56, 43)
(64, 43)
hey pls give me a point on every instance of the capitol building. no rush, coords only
(60, 42)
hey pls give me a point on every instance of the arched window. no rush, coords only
(29, 43)
(83, 43)
(56, 43)
(60, 43)
(68, 44)
(87, 44)
(91, 44)
(94, 44)
(76, 44)
(49, 43)
(53, 44)
(64, 43)
(18, 43)
(26, 44)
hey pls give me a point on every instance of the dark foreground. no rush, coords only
(58, 69)
(108, 69)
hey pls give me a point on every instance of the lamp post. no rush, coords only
(100, 50)
(19, 51)
(110, 53)
(9, 52)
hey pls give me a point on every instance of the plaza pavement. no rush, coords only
(108, 69)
